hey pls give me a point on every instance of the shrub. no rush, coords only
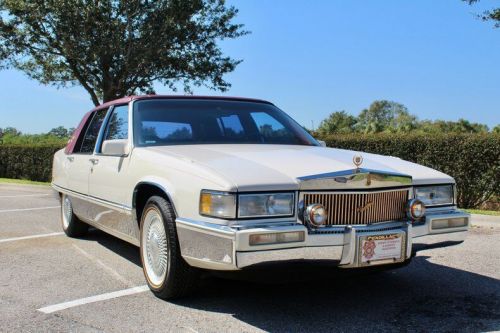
(472, 159)
(32, 162)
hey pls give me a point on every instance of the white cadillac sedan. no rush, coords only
(228, 183)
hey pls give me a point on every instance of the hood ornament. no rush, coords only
(357, 160)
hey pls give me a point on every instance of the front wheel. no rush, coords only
(166, 272)
(71, 225)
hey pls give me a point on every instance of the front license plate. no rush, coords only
(381, 249)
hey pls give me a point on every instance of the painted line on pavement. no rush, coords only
(30, 237)
(27, 209)
(23, 195)
(93, 299)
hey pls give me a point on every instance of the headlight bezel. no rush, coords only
(237, 204)
(428, 202)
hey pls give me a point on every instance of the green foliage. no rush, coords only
(338, 122)
(472, 159)
(385, 116)
(33, 162)
(390, 117)
(460, 126)
(61, 132)
(57, 136)
(492, 15)
(119, 48)
(496, 129)
(22, 181)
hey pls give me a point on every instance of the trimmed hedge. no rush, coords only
(472, 159)
(32, 162)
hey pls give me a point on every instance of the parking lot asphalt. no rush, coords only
(49, 282)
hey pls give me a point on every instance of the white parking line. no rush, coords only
(93, 299)
(23, 195)
(30, 237)
(27, 209)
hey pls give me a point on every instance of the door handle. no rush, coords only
(70, 158)
(94, 161)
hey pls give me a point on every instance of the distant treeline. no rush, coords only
(390, 117)
(58, 135)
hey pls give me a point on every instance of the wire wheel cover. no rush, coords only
(155, 247)
(67, 211)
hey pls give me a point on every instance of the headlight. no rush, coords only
(265, 205)
(218, 204)
(435, 195)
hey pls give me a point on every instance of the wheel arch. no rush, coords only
(144, 190)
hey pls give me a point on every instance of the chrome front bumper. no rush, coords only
(218, 247)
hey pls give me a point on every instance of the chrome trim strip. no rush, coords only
(105, 203)
(245, 259)
(113, 232)
(209, 228)
(209, 264)
(354, 179)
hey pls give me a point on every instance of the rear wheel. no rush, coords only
(71, 225)
(166, 272)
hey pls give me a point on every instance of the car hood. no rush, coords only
(254, 167)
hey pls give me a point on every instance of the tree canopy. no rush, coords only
(385, 115)
(115, 48)
(392, 117)
(338, 122)
(492, 15)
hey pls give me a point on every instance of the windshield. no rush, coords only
(160, 122)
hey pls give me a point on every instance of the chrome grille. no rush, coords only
(360, 208)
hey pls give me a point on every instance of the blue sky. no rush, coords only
(315, 57)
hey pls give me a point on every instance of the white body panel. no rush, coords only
(184, 170)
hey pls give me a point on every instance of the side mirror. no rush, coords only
(115, 147)
(322, 143)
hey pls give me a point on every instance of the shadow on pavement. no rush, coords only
(421, 297)
(124, 249)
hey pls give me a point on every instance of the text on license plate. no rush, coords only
(381, 247)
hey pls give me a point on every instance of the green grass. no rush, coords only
(483, 212)
(21, 181)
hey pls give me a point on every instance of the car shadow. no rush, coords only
(420, 297)
(126, 250)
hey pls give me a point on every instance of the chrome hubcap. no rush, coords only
(67, 212)
(155, 250)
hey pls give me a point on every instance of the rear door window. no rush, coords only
(92, 132)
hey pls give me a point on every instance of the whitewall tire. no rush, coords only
(71, 225)
(166, 272)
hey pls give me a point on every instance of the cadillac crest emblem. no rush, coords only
(357, 160)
